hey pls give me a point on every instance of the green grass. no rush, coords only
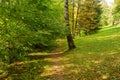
(107, 40)
(97, 57)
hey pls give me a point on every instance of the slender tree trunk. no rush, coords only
(76, 22)
(73, 20)
(70, 41)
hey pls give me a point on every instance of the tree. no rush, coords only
(89, 16)
(77, 29)
(104, 16)
(70, 41)
(116, 12)
(72, 16)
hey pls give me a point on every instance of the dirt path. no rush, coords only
(56, 70)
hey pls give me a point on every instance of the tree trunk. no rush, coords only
(70, 41)
(73, 20)
(76, 22)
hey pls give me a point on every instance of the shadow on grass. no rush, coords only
(97, 66)
(26, 70)
(32, 68)
(36, 57)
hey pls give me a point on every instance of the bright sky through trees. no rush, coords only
(109, 2)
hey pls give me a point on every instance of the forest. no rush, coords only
(59, 40)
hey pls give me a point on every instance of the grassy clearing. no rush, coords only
(97, 57)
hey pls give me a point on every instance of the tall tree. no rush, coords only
(89, 16)
(70, 41)
(77, 30)
(73, 18)
(104, 15)
(116, 12)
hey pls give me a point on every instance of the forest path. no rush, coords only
(40, 66)
(56, 70)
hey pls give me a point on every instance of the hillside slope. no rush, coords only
(97, 57)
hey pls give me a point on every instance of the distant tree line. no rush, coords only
(85, 16)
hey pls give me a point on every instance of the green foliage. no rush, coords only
(26, 25)
(116, 12)
(13, 38)
(89, 16)
(104, 16)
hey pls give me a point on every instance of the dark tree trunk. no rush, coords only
(70, 41)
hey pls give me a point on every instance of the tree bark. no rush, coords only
(70, 41)
(76, 22)
(73, 20)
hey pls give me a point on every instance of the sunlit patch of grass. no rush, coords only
(38, 53)
(97, 57)
(94, 66)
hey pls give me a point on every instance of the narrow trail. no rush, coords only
(56, 70)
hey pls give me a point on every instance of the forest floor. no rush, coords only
(56, 70)
(41, 66)
(97, 57)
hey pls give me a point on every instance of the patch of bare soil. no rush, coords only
(57, 68)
